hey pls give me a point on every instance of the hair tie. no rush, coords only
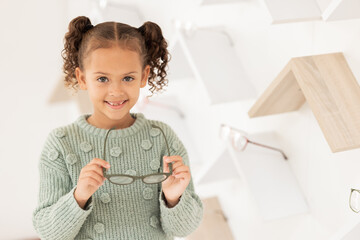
(88, 27)
(141, 30)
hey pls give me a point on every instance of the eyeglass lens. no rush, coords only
(355, 200)
(238, 141)
(148, 179)
(154, 178)
(224, 132)
(121, 179)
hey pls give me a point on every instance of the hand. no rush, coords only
(175, 185)
(90, 179)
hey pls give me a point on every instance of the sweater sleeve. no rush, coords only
(57, 215)
(185, 217)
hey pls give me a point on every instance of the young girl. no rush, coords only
(115, 174)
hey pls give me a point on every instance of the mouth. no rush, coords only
(117, 104)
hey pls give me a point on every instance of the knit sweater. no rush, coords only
(133, 211)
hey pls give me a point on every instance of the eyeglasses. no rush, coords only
(354, 200)
(124, 179)
(239, 140)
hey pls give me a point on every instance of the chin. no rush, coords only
(117, 116)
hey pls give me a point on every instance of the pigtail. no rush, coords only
(157, 55)
(72, 43)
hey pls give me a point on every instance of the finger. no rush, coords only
(165, 165)
(100, 162)
(177, 164)
(87, 177)
(182, 168)
(94, 168)
(95, 173)
(174, 158)
(182, 175)
(92, 182)
(167, 160)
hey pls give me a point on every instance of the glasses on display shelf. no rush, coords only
(354, 200)
(124, 179)
(239, 139)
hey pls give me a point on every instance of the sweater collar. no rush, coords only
(116, 133)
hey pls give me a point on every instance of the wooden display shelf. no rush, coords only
(327, 83)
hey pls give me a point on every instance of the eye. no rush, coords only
(128, 77)
(102, 78)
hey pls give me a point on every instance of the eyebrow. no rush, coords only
(110, 74)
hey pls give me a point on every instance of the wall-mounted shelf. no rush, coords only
(328, 85)
(284, 11)
(209, 56)
(342, 9)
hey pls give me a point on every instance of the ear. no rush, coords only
(145, 76)
(80, 77)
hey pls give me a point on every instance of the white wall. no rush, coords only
(30, 65)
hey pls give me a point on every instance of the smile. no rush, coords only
(116, 105)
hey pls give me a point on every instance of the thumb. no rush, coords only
(165, 164)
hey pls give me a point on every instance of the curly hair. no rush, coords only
(83, 38)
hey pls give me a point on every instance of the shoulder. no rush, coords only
(62, 131)
(52, 154)
(55, 141)
(173, 139)
(166, 128)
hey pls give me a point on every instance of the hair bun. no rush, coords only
(73, 38)
(157, 54)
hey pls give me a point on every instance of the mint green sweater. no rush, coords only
(134, 211)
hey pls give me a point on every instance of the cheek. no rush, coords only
(135, 94)
(96, 93)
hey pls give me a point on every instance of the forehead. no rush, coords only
(112, 59)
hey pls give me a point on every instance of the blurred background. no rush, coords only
(225, 54)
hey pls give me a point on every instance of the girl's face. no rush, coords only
(112, 75)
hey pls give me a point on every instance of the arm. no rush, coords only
(180, 217)
(57, 215)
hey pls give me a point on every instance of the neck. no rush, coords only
(106, 123)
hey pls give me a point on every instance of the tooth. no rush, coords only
(116, 104)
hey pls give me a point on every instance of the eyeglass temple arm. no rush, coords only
(167, 145)
(104, 169)
(276, 149)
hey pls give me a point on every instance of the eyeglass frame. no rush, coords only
(167, 174)
(242, 134)
(353, 190)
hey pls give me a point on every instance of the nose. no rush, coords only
(116, 89)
